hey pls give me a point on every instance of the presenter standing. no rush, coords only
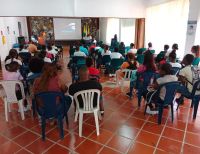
(42, 40)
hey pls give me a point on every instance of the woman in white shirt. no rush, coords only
(172, 60)
(106, 51)
(132, 49)
(116, 54)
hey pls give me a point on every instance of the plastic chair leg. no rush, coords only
(160, 114)
(172, 112)
(76, 116)
(80, 124)
(60, 124)
(67, 120)
(21, 109)
(6, 110)
(145, 109)
(96, 121)
(196, 105)
(9, 109)
(192, 104)
(122, 85)
(43, 128)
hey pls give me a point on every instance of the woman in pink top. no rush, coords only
(12, 73)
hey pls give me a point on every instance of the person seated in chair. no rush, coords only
(13, 56)
(79, 53)
(106, 51)
(22, 48)
(162, 54)
(186, 77)
(92, 70)
(165, 77)
(12, 73)
(85, 83)
(115, 54)
(131, 64)
(84, 49)
(196, 51)
(132, 49)
(148, 65)
(49, 80)
(172, 60)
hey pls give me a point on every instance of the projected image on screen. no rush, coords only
(67, 28)
(70, 28)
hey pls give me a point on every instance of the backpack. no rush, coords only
(195, 74)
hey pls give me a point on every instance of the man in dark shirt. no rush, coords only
(85, 84)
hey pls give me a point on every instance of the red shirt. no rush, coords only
(93, 71)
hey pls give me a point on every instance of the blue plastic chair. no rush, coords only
(143, 81)
(77, 63)
(171, 88)
(115, 64)
(52, 105)
(195, 98)
(106, 59)
(175, 70)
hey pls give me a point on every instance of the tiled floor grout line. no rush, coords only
(105, 145)
(160, 136)
(185, 132)
(134, 140)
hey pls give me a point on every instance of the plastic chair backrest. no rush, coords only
(141, 50)
(10, 89)
(175, 70)
(88, 99)
(140, 58)
(171, 88)
(128, 74)
(106, 59)
(146, 78)
(79, 60)
(50, 104)
(196, 87)
(116, 63)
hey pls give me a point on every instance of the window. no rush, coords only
(167, 24)
(127, 31)
(112, 29)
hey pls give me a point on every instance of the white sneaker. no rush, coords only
(149, 111)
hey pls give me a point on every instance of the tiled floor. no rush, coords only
(123, 129)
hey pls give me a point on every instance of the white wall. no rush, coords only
(74, 8)
(110, 8)
(37, 8)
(194, 14)
(11, 38)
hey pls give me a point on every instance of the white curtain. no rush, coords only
(167, 24)
(127, 34)
(112, 29)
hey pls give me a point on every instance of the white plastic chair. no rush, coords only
(88, 107)
(10, 96)
(127, 77)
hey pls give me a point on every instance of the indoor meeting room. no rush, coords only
(100, 77)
